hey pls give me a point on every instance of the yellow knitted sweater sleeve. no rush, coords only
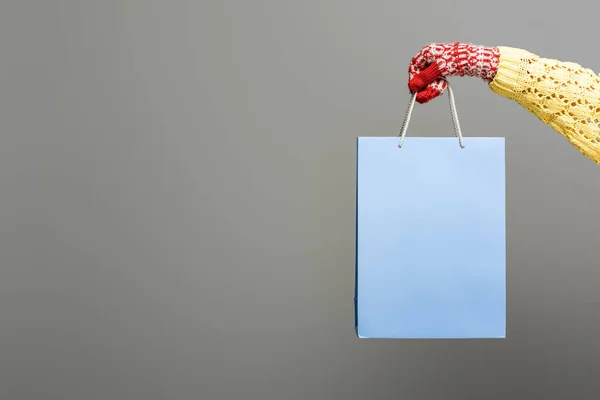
(563, 95)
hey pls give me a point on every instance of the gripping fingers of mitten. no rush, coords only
(421, 80)
(427, 66)
(432, 91)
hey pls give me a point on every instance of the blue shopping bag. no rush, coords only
(430, 238)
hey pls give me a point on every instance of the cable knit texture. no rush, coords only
(563, 95)
(438, 60)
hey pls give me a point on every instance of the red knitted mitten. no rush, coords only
(437, 60)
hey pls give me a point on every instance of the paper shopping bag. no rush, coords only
(430, 238)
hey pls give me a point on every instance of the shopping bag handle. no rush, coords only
(411, 104)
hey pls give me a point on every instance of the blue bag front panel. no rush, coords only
(431, 251)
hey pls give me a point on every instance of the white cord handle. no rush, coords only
(455, 122)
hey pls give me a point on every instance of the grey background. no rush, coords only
(177, 201)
